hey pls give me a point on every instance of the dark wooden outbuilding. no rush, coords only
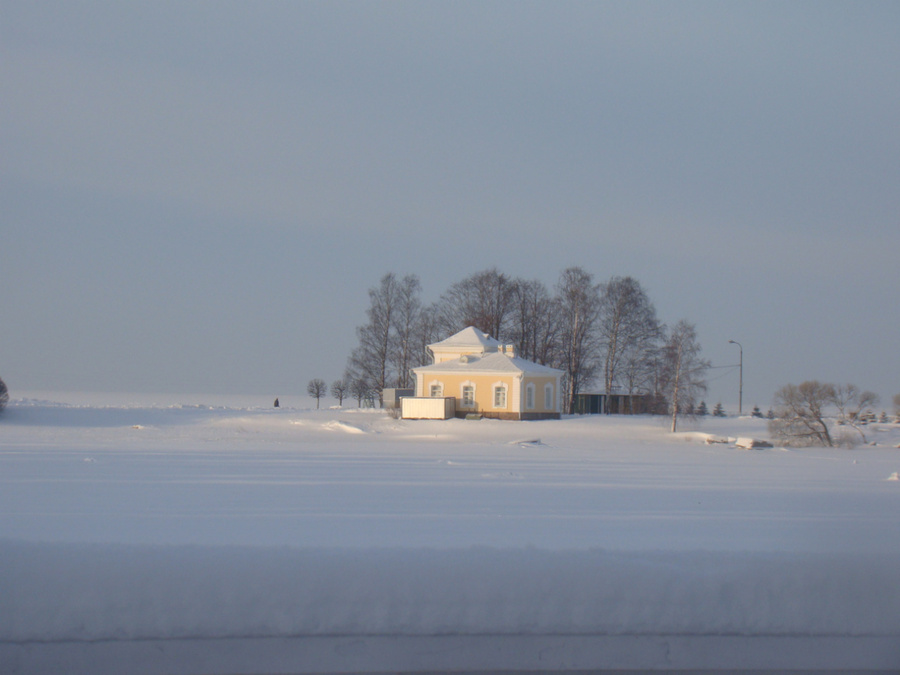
(601, 403)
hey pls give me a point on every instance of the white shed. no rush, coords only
(427, 408)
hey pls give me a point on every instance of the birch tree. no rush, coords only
(534, 326)
(639, 366)
(359, 389)
(427, 332)
(407, 318)
(683, 370)
(389, 342)
(579, 301)
(370, 361)
(629, 330)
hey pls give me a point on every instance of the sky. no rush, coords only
(196, 197)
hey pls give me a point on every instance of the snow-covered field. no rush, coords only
(213, 535)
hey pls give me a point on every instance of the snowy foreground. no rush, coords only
(140, 536)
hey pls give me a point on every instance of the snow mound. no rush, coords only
(751, 443)
(338, 425)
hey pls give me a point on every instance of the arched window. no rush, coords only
(436, 389)
(529, 396)
(548, 397)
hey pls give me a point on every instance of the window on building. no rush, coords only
(500, 396)
(468, 396)
(437, 390)
(548, 397)
(529, 396)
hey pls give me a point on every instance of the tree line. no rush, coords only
(597, 333)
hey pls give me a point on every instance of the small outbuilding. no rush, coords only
(392, 396)
(424, 408)
(602, 403)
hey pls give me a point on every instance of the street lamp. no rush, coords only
(741, 376)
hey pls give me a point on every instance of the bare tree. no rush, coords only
(534, 324)
(407, 320)
(4, 395)
(482, 300)
(371, 360)
(658, 401)
(428, 331)
(388, 341)
(639, 367)
(851, 404)
(339, 390)
(317, 389)
(683, 370)
(579, 301)
(360, 389)
(800, 412)
(628, 328)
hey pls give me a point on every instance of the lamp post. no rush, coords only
(740, 376)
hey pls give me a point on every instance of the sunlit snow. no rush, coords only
(164, 531)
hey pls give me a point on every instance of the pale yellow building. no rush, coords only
(486, 377)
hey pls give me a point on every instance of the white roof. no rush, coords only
(493, 362)
(467, 337)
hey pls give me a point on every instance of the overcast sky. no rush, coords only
(195, 197)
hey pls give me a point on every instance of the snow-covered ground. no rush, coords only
(212, 534)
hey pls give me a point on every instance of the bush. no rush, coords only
(802, 413)
(4, 395)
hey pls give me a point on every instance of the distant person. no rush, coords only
(276, 403)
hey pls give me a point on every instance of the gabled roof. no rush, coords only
(493, 362)
(467, 338)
